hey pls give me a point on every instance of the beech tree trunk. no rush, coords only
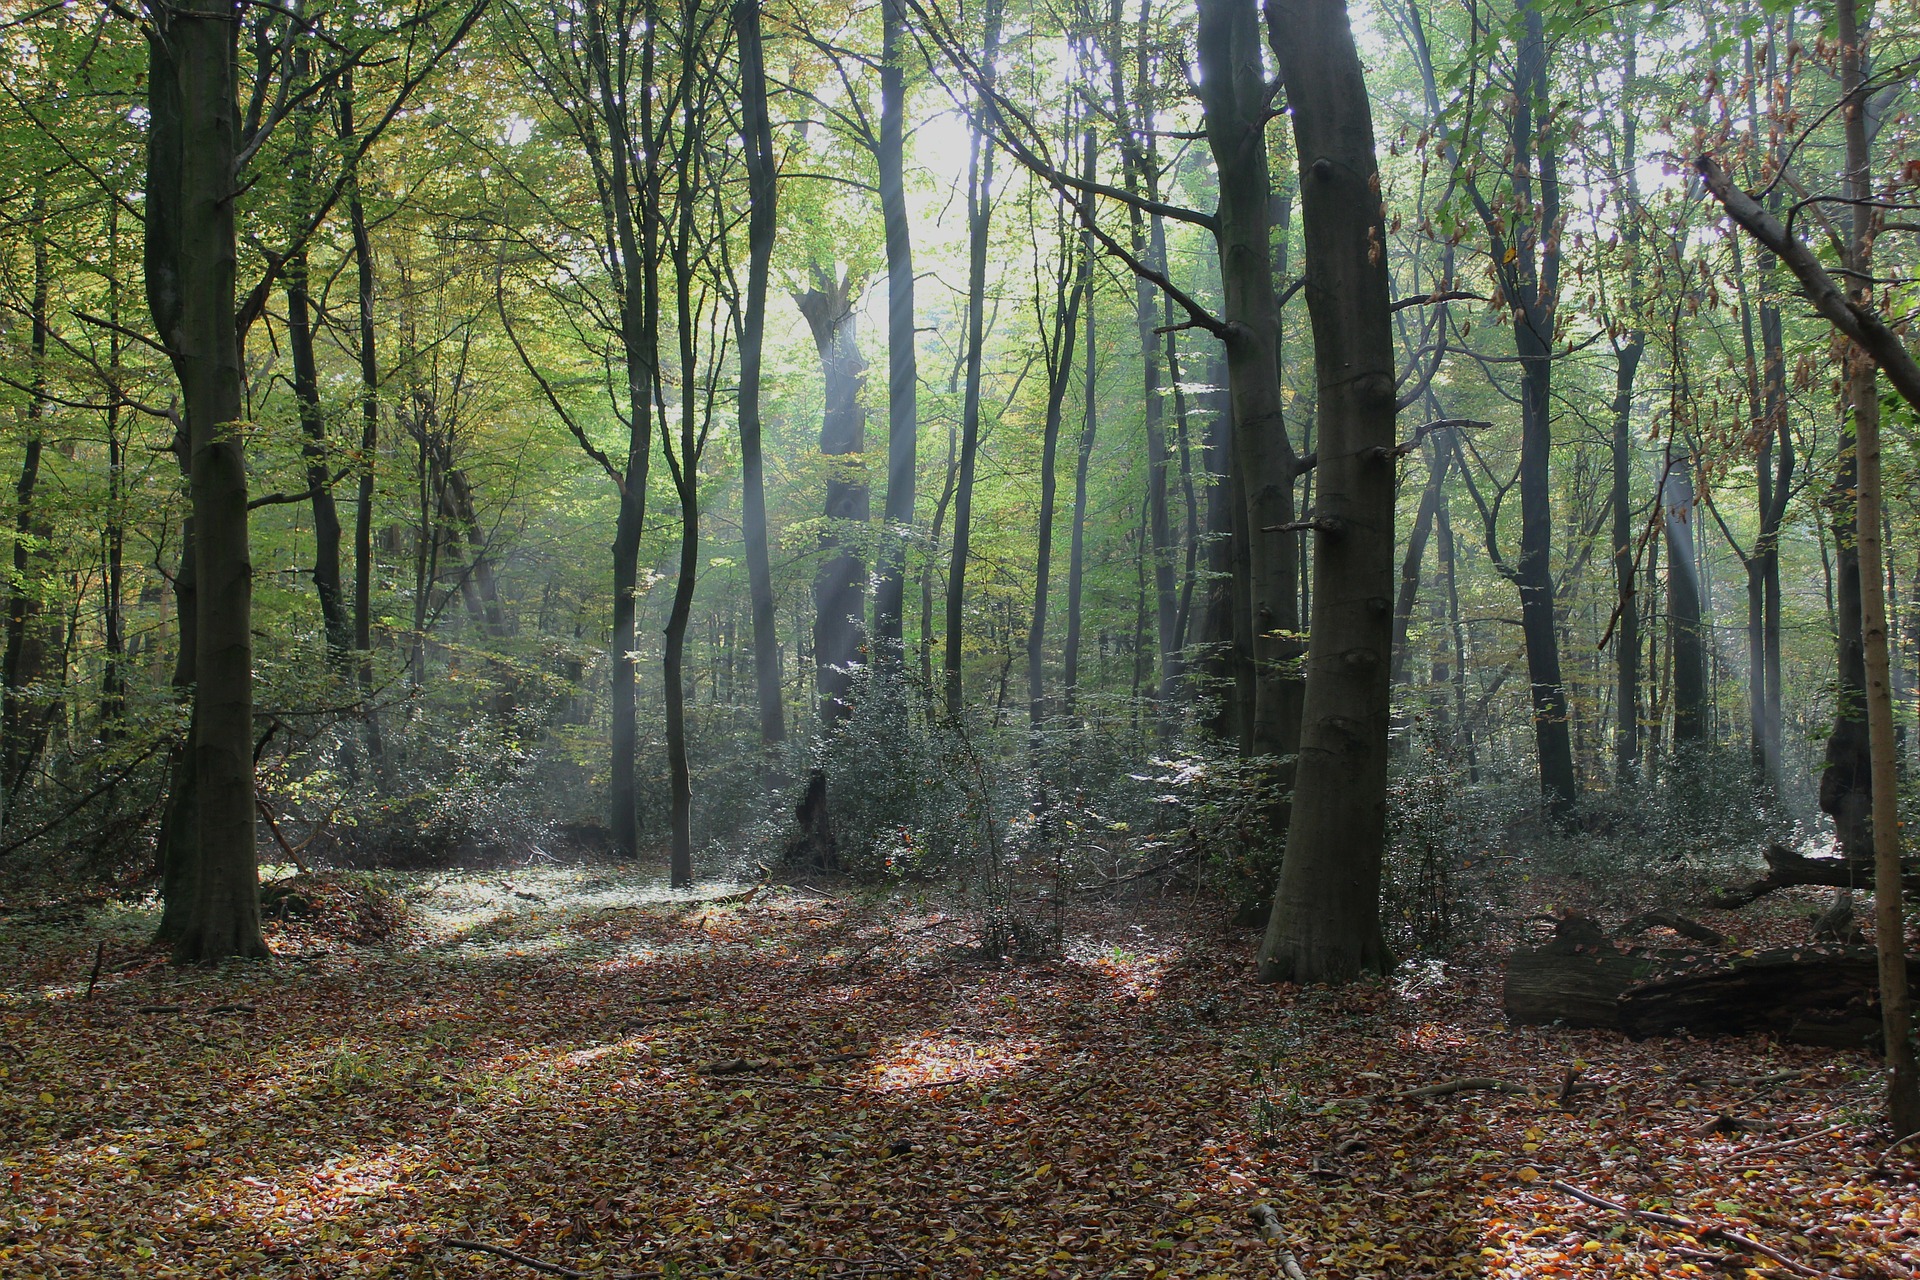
(1903, 1075)
(1060, 348)
(979, 223)
(24, 719)
(364, 464)
(1686, 634)
(840, 584)
(903, 370)
(763, 192)
(191, 143)
(1077, 534)
(1325, 925)
(1234, 98)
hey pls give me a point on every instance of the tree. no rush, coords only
(1325, 925)
(903, 370)
(839, 586)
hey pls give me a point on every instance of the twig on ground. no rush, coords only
(550, 1268)
(1744, 1152)
(1569, 1085)
(1447, 1087)
(1267, 1219)
(1881, 1160)
(791, 1084)
(99, 958)
(1700, 1230)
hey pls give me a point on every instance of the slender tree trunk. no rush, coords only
(1876, 692)
(337, 626)
(1077, 534)
(1687, 635)
(979, 224)
(24, 720)
(113, 684)
(369, 450)
(1325, 925)
(1626, 634)
(903, 376)
(1066, 330)
(839, 585)
(1431, 496)
(190, 253)
(761, 225)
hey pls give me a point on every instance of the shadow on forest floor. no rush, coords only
(579, 1066)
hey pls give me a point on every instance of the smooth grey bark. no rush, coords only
(979, 224)
(1685, 630)
(190, 254)
(763, 193)
(1065, 331)
(1234, 98)
(369, 446)
(1083, 458)
(1325, 925)
(903, 374)
(24, 716)
(839, 587)
(1432, 494)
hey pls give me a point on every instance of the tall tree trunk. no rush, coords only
(1876, 692)
(1532, 287)
(1431, 496)
(113, 682)
(979, 224)
(1083, 458)
(1325, 925)
(763, 191)
(840, 584)
(24, 719)
(191, 142)
(369, 448)
(1213, 629)
(903, 375)
(1066, 331)
(1234, 98)
(1686, 631)
(635, 227)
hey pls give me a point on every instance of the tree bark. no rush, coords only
(903, 374)
(1065, 332)
(24, 719)
(1687, 637)
(763, 192)
(839, 585)
(1077, 533)
(979, 223)
(1325, 925)
(190, 256)
(1234, 99)
(369, 449)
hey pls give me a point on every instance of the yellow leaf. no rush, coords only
(46, 1099)
(1513, 255)
(1527, 1173)
(1043, 1171)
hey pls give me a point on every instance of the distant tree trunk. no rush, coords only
(979, 223)
(1234, 98)
(1325, 925)
(113, 682)
(1213, 627)
(903, 375)
(1059, 350)
(363, 563)
(1627, 353)
(1077, 534)
(24, 721)
(1687, 634)
(839, 585)
(761, 225)
(1439, 454)
(190, 290)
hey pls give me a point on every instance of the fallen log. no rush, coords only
(1822, 995)
(1786, 869)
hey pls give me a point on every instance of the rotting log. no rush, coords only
(1785, 869)
(1808, 995)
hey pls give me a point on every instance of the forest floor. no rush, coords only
(576, 1066)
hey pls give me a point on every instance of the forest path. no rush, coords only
(609, 1079)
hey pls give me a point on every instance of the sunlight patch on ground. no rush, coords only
(936, 1060)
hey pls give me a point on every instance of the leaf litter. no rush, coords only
(530, 1084)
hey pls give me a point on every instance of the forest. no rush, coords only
(1147, 638)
